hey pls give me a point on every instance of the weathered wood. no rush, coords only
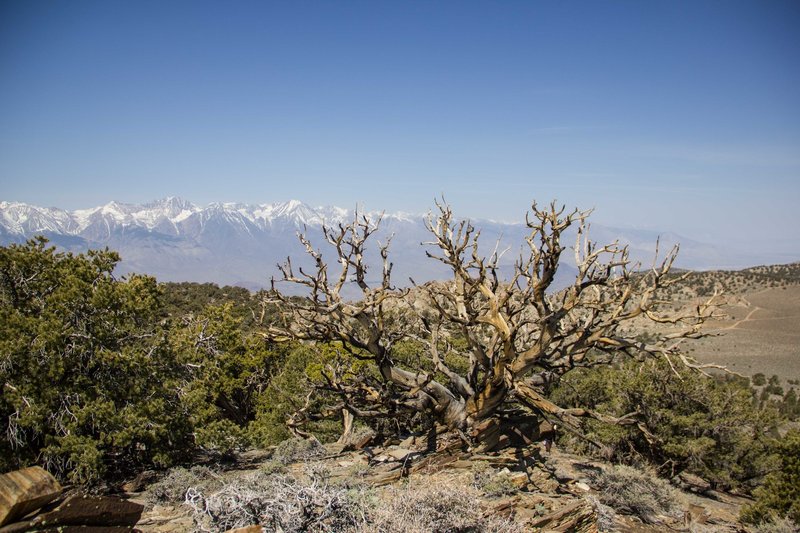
(386, 474)
(17, 527)
(87, 529)
(578, 517)
(246, 529)
(26, 490)
(91, 511)
(347, 421)
(692, 482)
(435, 462)
(141, 481)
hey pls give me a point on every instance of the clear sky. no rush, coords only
(677, 116)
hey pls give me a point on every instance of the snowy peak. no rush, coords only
(19, 218)
(237, 243)
(171, 207)
(296, 211)
(171, 215)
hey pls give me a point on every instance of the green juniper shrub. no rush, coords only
(710, 427)
(300, 383)
(88, 374)
(790, 407)
(779, 496)
(774, 386)
(227, 370)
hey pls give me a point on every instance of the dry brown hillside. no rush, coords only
(760, 331)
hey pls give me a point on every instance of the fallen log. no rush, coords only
(91, 511)
(574, 517)
(26, 490)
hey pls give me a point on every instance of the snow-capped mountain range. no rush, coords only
(233, 243)
(170, 216)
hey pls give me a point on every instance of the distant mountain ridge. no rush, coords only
(240, 244)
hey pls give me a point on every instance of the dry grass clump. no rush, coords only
(490, 482)
(441, 506)
(776, 524)
(631, 491)
(172, 488)
(313, 503)
(295, 450)
(278, 502)
(606, 516)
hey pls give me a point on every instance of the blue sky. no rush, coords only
(676, 116)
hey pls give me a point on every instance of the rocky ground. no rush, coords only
(398, 488)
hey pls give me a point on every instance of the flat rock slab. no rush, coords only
(91, 511)
(26, 490)
(400, 454)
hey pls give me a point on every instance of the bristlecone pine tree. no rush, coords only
(489, 348)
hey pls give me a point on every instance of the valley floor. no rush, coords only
(761, 334)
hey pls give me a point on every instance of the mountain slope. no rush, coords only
(233, 243)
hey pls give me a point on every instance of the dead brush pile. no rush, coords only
(631, 491)
(441, 505)
(311, 502)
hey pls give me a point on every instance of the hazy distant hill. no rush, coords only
(239, 244)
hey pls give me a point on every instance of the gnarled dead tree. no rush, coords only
(491, 346)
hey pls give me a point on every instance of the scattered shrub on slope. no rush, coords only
(779, 496)
(712, 427)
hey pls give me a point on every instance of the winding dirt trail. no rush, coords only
(745, 319)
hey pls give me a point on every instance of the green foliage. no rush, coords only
(291, 386)
(709, 427)
(227, 370)
(191, 299)
(779, 496)
(101, 378)
(88, 375)
(790, 406)
(774, 386)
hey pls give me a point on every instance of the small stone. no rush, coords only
(399, 454)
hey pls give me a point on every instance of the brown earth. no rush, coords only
(760, 329)
(762, 334)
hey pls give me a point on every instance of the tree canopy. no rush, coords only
(87, 370)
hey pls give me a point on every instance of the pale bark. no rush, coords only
(515, 337)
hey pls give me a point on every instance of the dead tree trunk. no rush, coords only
(492, 347)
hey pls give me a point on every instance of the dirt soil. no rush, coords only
(762, 334)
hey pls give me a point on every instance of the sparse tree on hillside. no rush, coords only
(489, 348)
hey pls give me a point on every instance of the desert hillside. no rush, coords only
(760, 329)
